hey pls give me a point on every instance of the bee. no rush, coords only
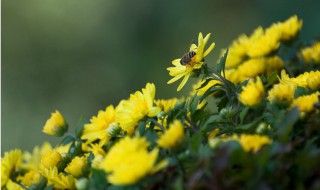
(186, 58)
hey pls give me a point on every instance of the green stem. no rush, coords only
(157, 123)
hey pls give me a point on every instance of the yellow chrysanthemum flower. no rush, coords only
(202, 90)
(286, 30)
(9, 163)
(56, 125)
(237, 51)
(59, 180)
(98, 126)
(281, 92)
(252, 68)
(273, 63)
(179, 71)
(262, 43)
(172, 136)
(31, 161)
(128, 161)
(305, 103)
(311, 54)
(166, 105)
(252, 93)
(308, 79)
(76, 166)
(50, 159)
(140, 104)
(30, 178)
(252, 142)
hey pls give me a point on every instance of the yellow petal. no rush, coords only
(205, 40)
(176, 62)
(184, 81)
(209, 49)
(193, 47)
(174, 79)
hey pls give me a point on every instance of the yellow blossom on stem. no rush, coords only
(50, 159)
(305, 103)
(262, 43)
(172, 136)
(166, 105)
(30, 178)
(76, 166)
(311, 54)
(9, 163)
(252, 142)
(98, 126)
(179, 70)
(128, 161)
(140, 104)
(287, 29)
(252, 93)
(56, 125)
(31, 160)
(281, 92)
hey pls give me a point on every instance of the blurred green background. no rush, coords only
(78, 56)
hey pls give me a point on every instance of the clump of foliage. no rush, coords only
(265, 133)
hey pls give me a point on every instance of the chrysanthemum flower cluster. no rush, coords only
(263, 134)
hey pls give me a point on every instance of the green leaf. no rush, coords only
(80, 126)
(194, 104)
(248, 126)
(300, 91)
(151, 136)
(222, 63)
(67, 140)
(141, 128)
(223, 102)
(98, 179)
(41, 185)
(272, 78)
(243, 114)
(210, 91)
(196, 141)
(286, 124)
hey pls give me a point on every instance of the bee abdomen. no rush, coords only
(191, 54)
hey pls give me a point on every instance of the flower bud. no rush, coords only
(50, 159)
(77, 166)
(82, 184)
(113, 129)
(262, 128)
(161, 115)
(214, 142)
(56, 125)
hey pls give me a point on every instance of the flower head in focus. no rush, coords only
(76, 166)
(172, 136)
(56, 125)
(140, 104)
(128, 161)
(98, 126)
(252, 93)
(184, 70)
